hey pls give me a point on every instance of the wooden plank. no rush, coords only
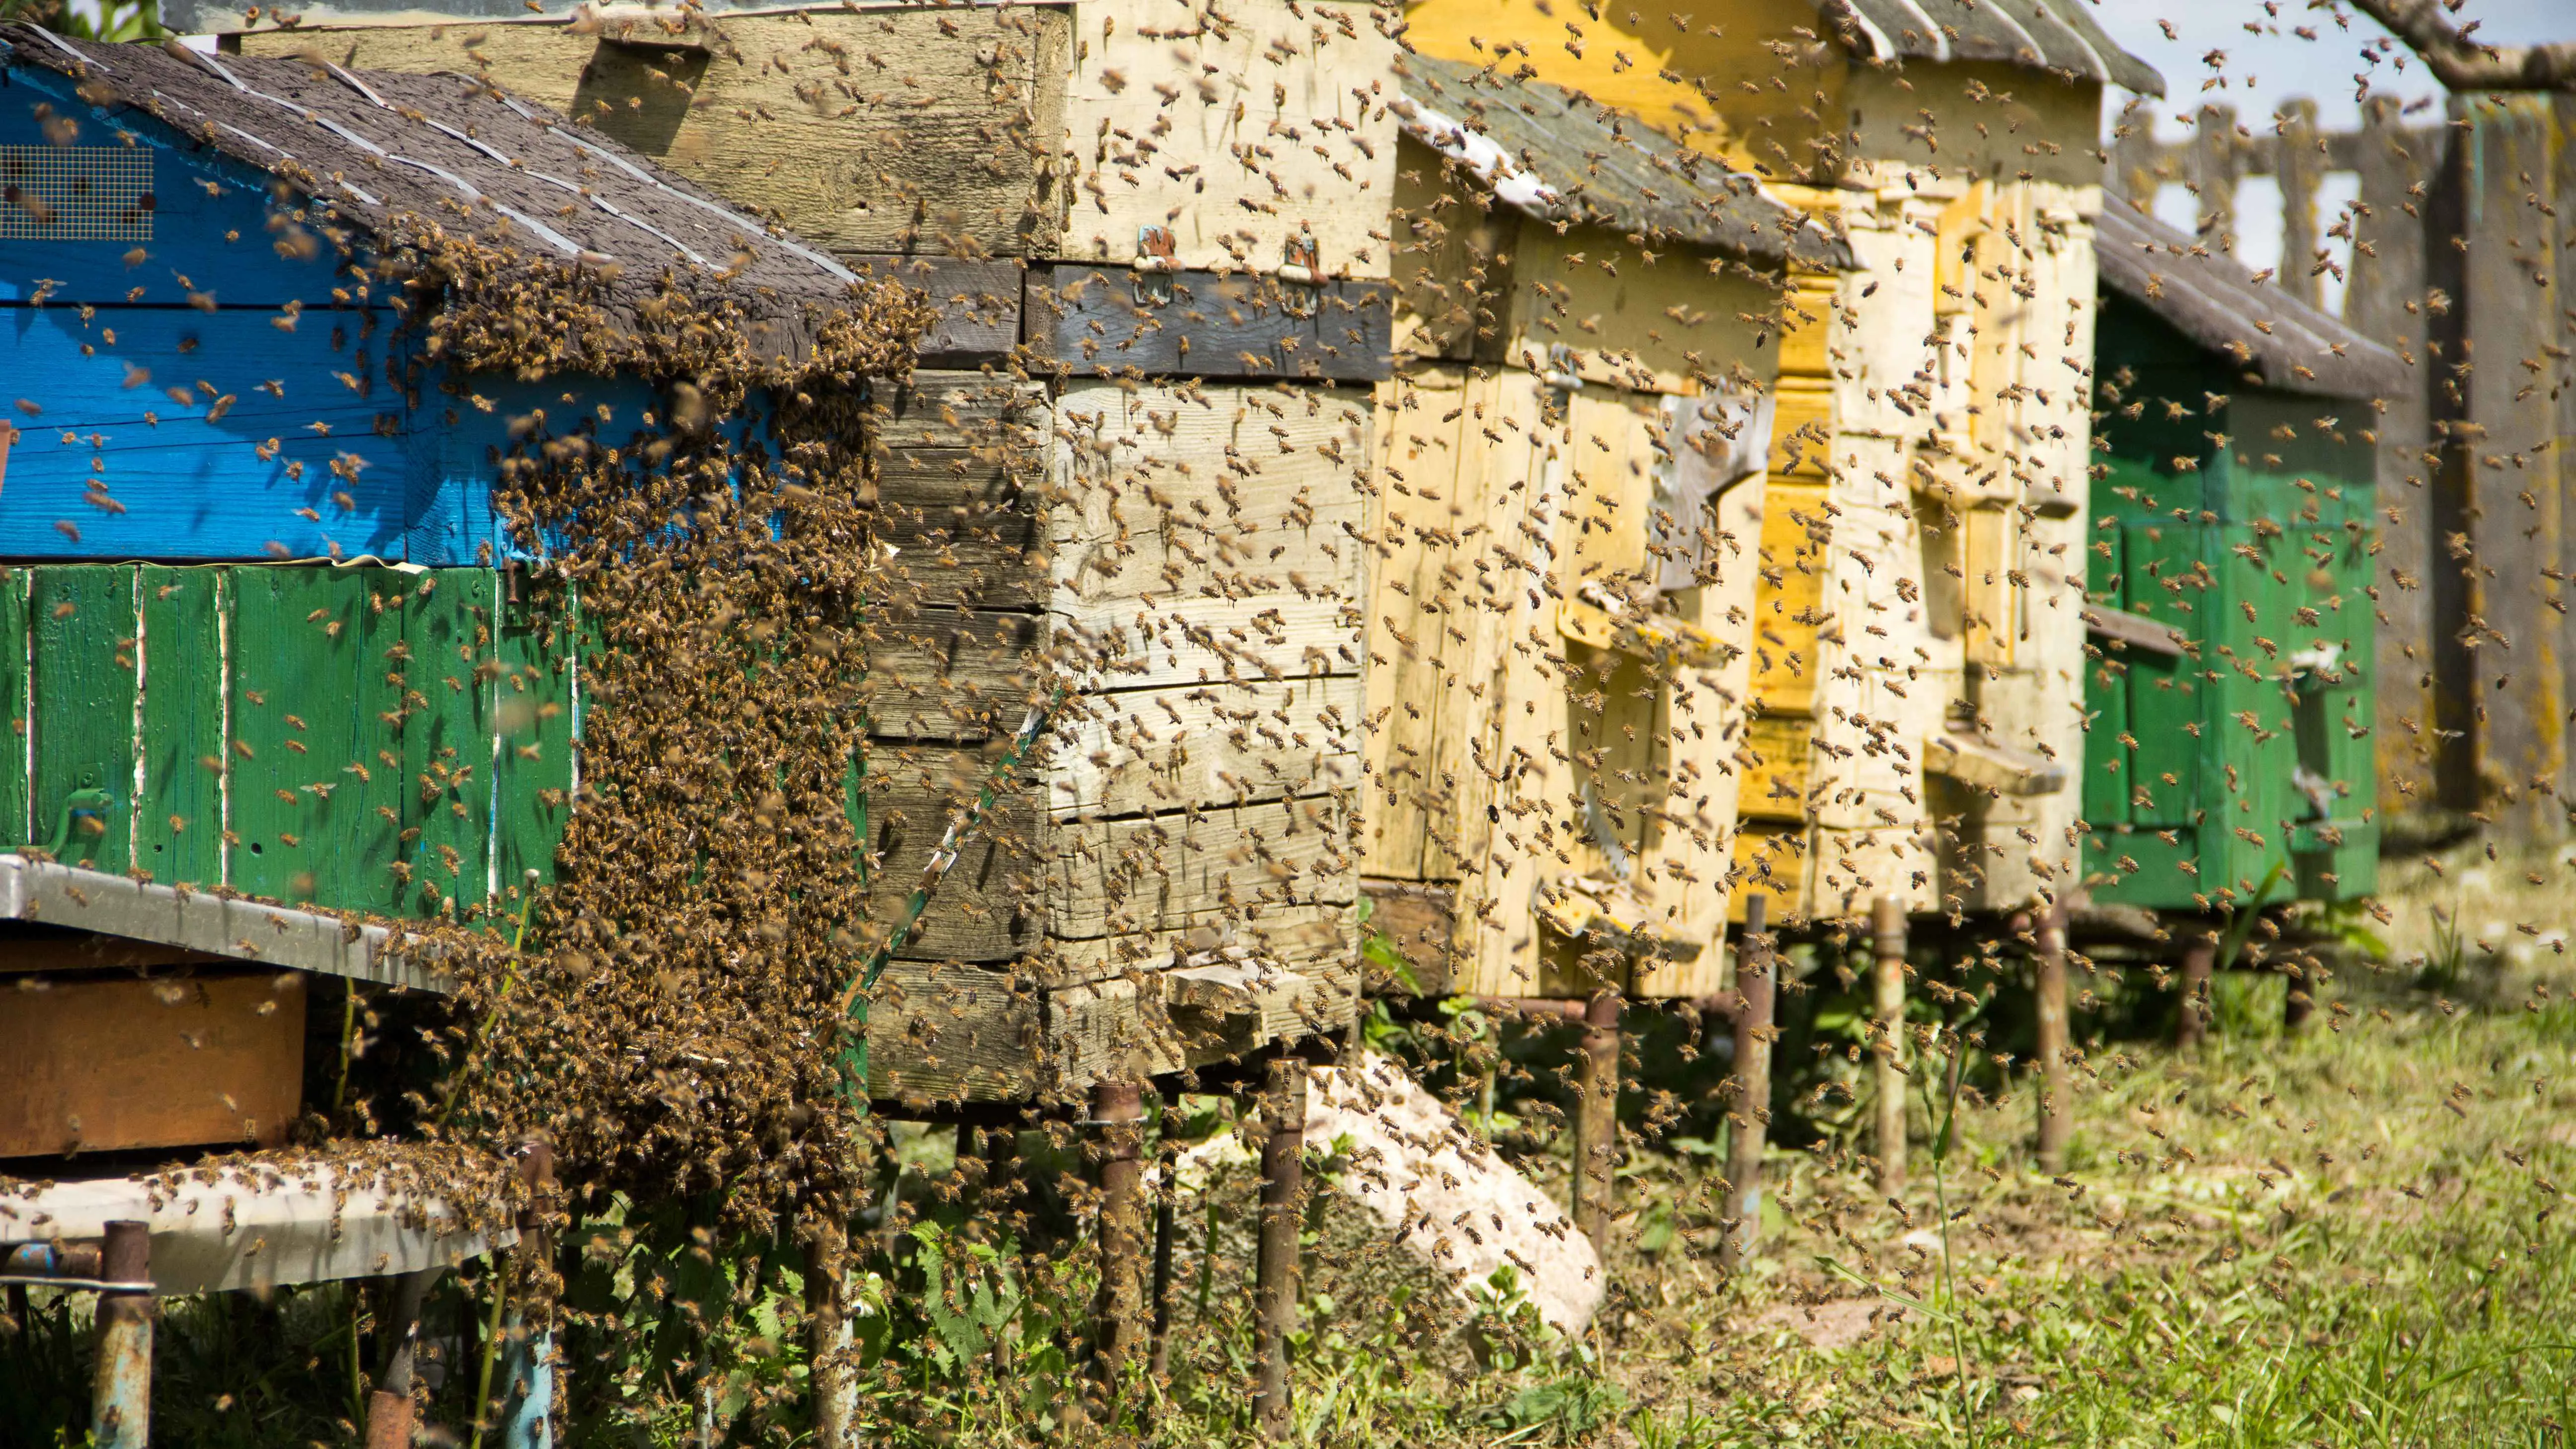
(1117, 877)
(953, 674)
(533, 704)
(1216, 494)
(1278, 130)
(1419, 923)
(15, 746)
(978, 302)
(1592, 302)
(1137, 752)
(990, 906)
(1786, 606)
(964, 530)
(315, 805)
(84, 674)
(1295, 983)
(1095, 321)
(959, 465)
(210, 1059)
(118, 467)
(179, 807)
(943, 1033)
(894, 131)
(447, 761)
(2120, 630)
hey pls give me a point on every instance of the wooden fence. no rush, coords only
(2455, 236)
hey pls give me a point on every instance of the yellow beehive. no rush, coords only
(1917, 642)
(1564, 519)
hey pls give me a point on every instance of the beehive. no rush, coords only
(2229, 761)
(1564, 513)
(1133, 491)
(1916, 646)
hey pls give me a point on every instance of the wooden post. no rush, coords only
(2056, 1112)
(2388, 280)
(2199, 960)
(121, 1393)
(2299, 165)
(1596, 1121)
(1159, 1355)
(826, 1327)
(2216, 163)
(1752, 1116)
(2301, 974)
(1887, 980)
(1118, 1116)
(1274, 1293)
(390, 1412)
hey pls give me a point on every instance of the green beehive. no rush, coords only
(2229, 680)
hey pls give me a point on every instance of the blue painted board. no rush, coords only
(108, 470)
(184, 235)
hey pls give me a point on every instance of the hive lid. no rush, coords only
(2217, 303)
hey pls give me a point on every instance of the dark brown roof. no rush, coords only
(1560, 156)
(2217, 303)
(378, 147)
(2042, 34)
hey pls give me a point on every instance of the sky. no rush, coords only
(2261, 71)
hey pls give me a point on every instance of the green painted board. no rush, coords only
(447, 621)
(84, 705)
(532, 729)
(315, 805)
(14, 826)
(179, 822)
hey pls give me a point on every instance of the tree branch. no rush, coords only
(2463, 64)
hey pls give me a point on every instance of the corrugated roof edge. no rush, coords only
(1613, 171)
(422, 143)
(2218, 303)
(2047, 35)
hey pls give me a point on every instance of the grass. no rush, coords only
(2345, 1236)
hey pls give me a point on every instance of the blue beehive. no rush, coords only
(240, 484)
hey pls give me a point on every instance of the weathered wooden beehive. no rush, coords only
(1565, 512)
(1132, 497)
(2230, 758)
(1917, 649)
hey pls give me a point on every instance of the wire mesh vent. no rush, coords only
(76, 193)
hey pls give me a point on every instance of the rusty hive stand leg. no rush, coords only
(1887, 982)
(121, 1396)
(1118, 1116)
(1754, 993)
(389, 1407)
(2056, 1113)
(1159, 1355)
(1274, 1293)
(1596, 1121)
(2199, 963)
(826, 1317)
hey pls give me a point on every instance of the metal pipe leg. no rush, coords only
(2056, 1112)
(1754, 997)
(2199, 963)
(389, 1408)
(1596, 1121)
(1118, 1115)
(1274, 1294)
(1887, 983)
(121, 1395)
